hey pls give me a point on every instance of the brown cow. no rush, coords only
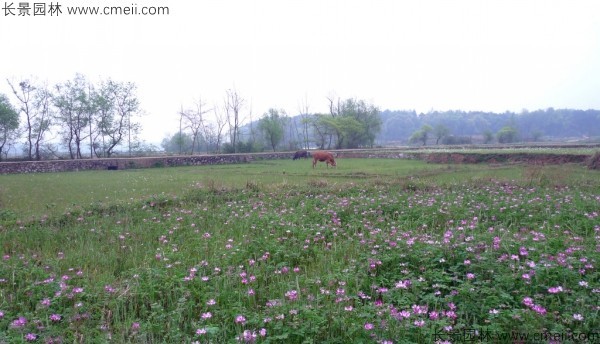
(327, 157)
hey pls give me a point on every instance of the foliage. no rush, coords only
(9, 122)
(421, 135)
(507, 134)
(272, 126)
(440, 131)
(351, 124)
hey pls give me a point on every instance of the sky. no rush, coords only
(423, 55)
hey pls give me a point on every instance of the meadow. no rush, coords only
(374, 251)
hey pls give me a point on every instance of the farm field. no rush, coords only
(374, 251)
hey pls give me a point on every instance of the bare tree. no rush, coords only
(233, 105)
(216, 131)
(194, 119)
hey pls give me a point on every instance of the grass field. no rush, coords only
(374, 251)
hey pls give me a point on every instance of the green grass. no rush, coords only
(373, 251)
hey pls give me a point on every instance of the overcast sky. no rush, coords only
(423, 54)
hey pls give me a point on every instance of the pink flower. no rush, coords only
(539, 309)
(527, 301)
(201, 331)
(292, 295)
(578, 317)
(55, 317)
(523, 251)
(369, 326)
(419, 323)
(240, 319)
(30, 337)
(555, 290)
(470, 275)
(20, 322)
(206, 315)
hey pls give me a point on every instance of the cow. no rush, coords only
(327, 157)
(300, 154)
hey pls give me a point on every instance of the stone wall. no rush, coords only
(129, 163)
(170, 161)
(195, 160)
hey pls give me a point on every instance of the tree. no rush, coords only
(9, 122)
(488, 136)
(507, 134)
(72, 99)
(440, 131)
(422, 134)
(305, 122)
(272, 126)
(115, 102)
(354, 122)
(177, 143)
(35, 105)
(233, 105)
(194, 120)
(214, 133)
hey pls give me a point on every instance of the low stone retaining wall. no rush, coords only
(195, 160)
(129, 163)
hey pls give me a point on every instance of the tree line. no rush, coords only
(229, 128)
(460, 127)
(79, 119)
(86, 119)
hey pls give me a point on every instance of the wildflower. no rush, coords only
(578, 317)
(1, 314)
(434, 315)
(55, 317)
(135, 326)
(211, 302)
(45, 302)
(262, 332)
(539, 309)
(30, 337)
(523, 251)
(348, 308)
(419, 323)
(292, 295)
(403, 284)
(470, 275)
(20, 322)
(527, 301)
(240, 319)
(248, 336)
(201, 331)
(583, 284)
(369, 326)
(494, 311)
(451, 314)
(555, 290)
(206, 315)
